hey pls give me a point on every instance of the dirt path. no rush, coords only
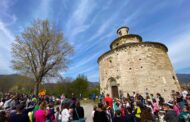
(87, 111)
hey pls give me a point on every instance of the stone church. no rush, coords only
(132, 64)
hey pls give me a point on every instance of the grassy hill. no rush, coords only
(183, 78)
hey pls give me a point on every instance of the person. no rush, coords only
(92, 114)
(19, 115)
(129, 115)
(137, 112)
(41, 113)
(170, 115)
(3, 116)
(108, 100)
(118, 117)
(155, 107)
(108, 113)
(57, 115)
(161, 99)
(65, 115)
(78, 113)
(94, 96)
(2, 103)
(115, 105)
(147, 115)
(100, 115)
(184, 93)
(185, 115)
(176, 108)
(161, 115)
(51, 112)
(150, 105)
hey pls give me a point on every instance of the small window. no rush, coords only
(120, 33)
(141, 67)
(117, 44)
(139, 59)
(174, 77)
(130, 68)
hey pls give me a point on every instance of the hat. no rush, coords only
(169, 104)
(34, 99)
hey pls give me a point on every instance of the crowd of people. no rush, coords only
(130, 108)
(136, 108)
(25, 108)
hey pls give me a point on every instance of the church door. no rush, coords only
(115, 93)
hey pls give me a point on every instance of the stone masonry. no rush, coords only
(134, 65)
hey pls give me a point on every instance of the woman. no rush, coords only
(147, 115)
(176, 108)
(100, 114)
(40, 115)
(155, 107)
(78, 113)
(65, 115)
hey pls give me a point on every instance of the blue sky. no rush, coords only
(90, 26)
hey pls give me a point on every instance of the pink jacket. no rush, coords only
(176, 109)
(155, 107)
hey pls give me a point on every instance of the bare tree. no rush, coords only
(40, 51)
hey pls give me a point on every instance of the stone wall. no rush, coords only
(142, 67)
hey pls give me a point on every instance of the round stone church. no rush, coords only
(136, 65)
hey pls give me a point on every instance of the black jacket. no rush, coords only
(171, 116)
(100, 116)
(80, 112)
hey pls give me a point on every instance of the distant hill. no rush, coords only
(94, 83)
(183, 78)
(14, 78)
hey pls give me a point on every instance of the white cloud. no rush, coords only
(178, 50)
(5, 15)
(84, 61)
(6, 38)
(82, 70)
(76, 22)
(148, 8)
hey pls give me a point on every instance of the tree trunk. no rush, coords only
(36, 88)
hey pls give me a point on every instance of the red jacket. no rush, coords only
(109, 101)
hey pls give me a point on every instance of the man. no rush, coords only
(170, 115)
(108, 101)
(19, 115)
